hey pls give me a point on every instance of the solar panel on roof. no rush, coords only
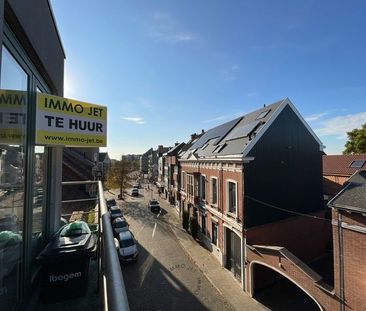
(215, 133)
(242, 131)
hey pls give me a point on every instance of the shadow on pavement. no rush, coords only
(151, 286)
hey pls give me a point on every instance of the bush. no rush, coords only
(193, 224)
(185, 220)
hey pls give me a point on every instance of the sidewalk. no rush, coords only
(218, 276)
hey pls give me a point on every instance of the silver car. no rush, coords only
(126, 246)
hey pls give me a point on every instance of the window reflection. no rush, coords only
(38, 201)
(13, 76)
(12, 139)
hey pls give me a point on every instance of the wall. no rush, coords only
(286, 172)
(40, 38)
(354, 254)
(307, 238)
(327, 300)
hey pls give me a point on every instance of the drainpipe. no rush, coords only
(220, 193)
(243, 233)
(341, 261)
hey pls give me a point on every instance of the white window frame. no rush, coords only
(189, 185)
(211, 192)
(236, 197)
(183, 180)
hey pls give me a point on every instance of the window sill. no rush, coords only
(232, 215)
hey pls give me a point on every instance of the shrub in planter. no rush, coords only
(193, 224)
(185, 220)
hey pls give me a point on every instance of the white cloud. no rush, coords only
(339, 126)
(230, 74)
(316, 116)
(137, 120)
(166, 29)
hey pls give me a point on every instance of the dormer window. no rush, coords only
(219, 148)
(204, 146)
(262, 114)
(357, 163)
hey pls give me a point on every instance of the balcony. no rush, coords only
(106, 288)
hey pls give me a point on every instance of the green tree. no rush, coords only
(118, 175)
(356, 141)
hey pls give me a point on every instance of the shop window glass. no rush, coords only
(13, 109)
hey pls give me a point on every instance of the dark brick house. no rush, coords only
(237, 173)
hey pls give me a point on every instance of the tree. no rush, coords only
(118, 175)
(356, 141)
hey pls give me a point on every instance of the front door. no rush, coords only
(233, 253)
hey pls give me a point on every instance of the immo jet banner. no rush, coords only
(67, 122)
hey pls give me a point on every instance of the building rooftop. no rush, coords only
(238, 136)
(353, 196)
(343, 165)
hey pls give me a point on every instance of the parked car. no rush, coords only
(110, 203)
(115, 212)
(120, 224)
(154, 205)
(136, 186)
(135, 192)
(126, 246)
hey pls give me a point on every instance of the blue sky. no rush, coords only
(167, 69)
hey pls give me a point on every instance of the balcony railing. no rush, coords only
(111, 286)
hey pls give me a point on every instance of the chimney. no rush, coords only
(193, 136)
(176, 144)
(202, 131)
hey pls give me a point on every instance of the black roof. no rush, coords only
(232, 138)
(175, 150)
(353, 195)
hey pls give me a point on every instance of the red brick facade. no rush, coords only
(305, 237)
(354, 254)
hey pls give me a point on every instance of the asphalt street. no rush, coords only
(164, 277)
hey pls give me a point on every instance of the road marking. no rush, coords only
(154, 230)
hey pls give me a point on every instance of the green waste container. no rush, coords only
(65, 262)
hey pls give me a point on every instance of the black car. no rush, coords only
(154, 206)
(115, 212)
(110, 203)
(135, 192)
(119, 224)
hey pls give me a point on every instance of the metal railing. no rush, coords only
(110, 273)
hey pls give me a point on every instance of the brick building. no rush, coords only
(349, 234)
(337, 169)
(236, 172)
